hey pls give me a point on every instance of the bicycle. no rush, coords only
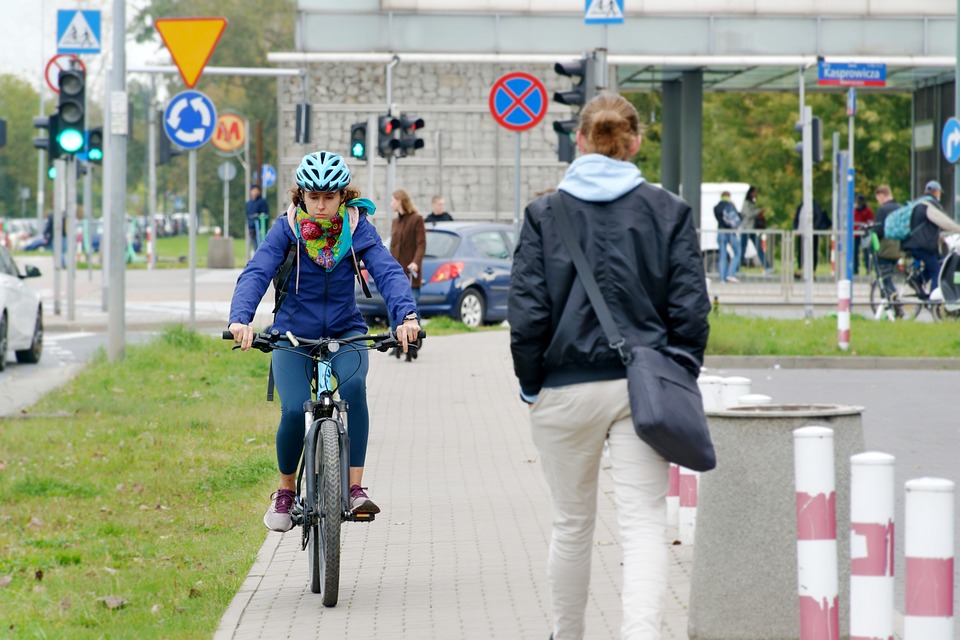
(899, 294)
(322, 500)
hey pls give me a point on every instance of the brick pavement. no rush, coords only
(459, 550)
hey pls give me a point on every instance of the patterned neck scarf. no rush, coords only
(327, 241)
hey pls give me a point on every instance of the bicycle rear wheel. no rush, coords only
(908, 299)
(331, 512)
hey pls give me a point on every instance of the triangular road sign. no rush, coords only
(78, 35)
(191, 42)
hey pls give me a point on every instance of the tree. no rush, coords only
(18, 165)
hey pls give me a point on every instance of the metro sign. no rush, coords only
(230, 133)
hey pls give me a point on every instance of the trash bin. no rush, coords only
(744, 580)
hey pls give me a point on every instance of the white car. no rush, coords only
(21, 314)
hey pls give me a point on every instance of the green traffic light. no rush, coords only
(95, 155)
(357, 150)
(52, 173)
(70, 140)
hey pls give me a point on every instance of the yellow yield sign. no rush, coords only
(191, 42)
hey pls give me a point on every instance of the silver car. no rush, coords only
(21, 313)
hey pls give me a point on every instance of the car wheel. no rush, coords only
(470, 308)
(3, 341)
(32, 355)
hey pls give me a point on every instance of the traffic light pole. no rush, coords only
(116, 321)
(59, 205)
(806, 215)
(88, 219)
(391, 157)
(71, 237)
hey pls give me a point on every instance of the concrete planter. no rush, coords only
(744, 581)
(220, 253)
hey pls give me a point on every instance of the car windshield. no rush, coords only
(441, 244)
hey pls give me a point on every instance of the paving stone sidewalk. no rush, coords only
(459, 550)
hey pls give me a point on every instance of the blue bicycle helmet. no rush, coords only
(323, 172)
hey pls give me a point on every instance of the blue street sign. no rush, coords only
(951, 140)
(851, 74)
(603, 12)
(78, 31)
(269, 174)
(190, 119)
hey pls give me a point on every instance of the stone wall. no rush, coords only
(467, 156)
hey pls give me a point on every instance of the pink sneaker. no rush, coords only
(277, 517)
(360, 502)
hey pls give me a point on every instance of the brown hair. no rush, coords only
(406, 204)
(348, 193)
(609, 125)
(883, 190)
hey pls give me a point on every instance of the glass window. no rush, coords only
(441, 244)
(490, 244)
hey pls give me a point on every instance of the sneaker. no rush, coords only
(277, 517)
(360, 502)
(733, 279)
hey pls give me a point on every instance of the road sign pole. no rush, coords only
(71, 236)
(152, 177)
(192, 217)
(246, 187)
(807, 215)
(116, 327)
(956, 110)
(226, 209)
(59, 204)
(88, 220)
(516, 187)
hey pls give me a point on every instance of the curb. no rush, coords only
(831, 362)
(230, 621)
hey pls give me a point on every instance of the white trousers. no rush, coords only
(569, 427)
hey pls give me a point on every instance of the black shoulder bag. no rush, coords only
(665, 401)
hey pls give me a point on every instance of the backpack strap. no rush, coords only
(270, 385)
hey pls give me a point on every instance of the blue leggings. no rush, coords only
(292, 374)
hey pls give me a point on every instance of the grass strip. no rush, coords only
(142, 480)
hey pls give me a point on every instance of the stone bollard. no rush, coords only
(220, 253)
(732, 388)
(744, 580)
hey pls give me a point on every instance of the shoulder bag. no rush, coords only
(665, 401)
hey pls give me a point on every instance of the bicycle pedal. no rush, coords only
(361, 517)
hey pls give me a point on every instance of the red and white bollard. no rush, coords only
(928, 542)
(843, 314)
(150, 263)
(871, 546)
(687, 516)
(816, 533)
(673, 497)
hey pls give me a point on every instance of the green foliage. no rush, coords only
(18, 159)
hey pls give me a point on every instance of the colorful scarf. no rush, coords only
(328, 241)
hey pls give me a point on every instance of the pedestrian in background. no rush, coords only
(728, 221)
(438, 214)
(408, 243)
(862, 218)
(640, 242)
(821, 222)
(256, 206)
(926, 222)
(750, 214)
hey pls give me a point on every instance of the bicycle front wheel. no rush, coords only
(908, 299)
(330, 511)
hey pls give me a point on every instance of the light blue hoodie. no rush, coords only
(598, 178)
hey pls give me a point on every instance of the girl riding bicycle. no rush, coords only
(327, 225)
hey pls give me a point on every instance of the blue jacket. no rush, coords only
(323, 304)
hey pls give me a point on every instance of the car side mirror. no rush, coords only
(31, 271)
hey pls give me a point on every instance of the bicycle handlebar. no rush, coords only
(267, 342)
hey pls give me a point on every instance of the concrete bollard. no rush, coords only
(673, 497)
(730, 389)
(710, 390)
(843, 314)
(753, 399)
(928, 542)
(816, 533)
(871, 545)
(687, 516)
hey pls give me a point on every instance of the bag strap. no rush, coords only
(589, 283)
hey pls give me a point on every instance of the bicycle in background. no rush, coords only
(900, 292)
(323, 489)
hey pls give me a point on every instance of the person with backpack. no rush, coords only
(927, 220)
(327, 227)
(640, 242)
(728, 220)
(889, 253)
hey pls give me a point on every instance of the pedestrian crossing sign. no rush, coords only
(603, 12)
(78, 31)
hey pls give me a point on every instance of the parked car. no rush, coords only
(466, 274)
(21, 313)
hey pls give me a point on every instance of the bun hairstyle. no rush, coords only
(609, 125)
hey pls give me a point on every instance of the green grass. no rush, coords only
(173, 252)
(734, 334)
(150, 489)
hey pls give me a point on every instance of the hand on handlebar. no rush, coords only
(242, 335)
(408, 333)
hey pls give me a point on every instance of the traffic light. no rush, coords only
(95, 145)
(816, 134)
(583, 89)
(409, 142)
(51, 125)
(166, 149)
(566, 146)
(358, 141)
(72, 110)
(387, 129)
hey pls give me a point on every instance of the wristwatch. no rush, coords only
(411, 316)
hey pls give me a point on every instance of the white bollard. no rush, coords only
(871, 545)
(928, 542)
(843, 314)
(752, 399)
(687, 516)
(731, 389)
(710, 390)
(816, 533)
(673, 497)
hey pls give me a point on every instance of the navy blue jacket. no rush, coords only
(254, 209)
(324, 304)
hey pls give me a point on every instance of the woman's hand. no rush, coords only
(408, 333)
(242, 335)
